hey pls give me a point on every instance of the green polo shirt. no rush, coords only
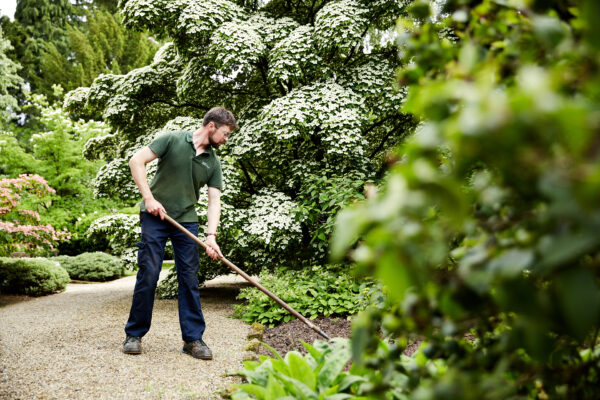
(181, 174)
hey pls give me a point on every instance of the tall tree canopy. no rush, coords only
(36, 23)
(100, 44)
(312, 85)
(60, 43)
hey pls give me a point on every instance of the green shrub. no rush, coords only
(314, 292)
(92, 266)
(31, 276)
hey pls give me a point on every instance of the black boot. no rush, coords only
(198, 349)
(132, 345)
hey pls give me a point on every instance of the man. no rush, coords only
(186, 163)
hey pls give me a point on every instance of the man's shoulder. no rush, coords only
(179, 135)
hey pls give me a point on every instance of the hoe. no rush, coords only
(252, 281)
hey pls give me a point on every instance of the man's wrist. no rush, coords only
(211, 234)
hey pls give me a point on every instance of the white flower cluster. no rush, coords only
(327, 110)
(236, 47)
(122, 230)
(200, 18)
(271, 30)
(191, 82)
(76, 98)
(129, 258)
(99, 147)
(188, 21)
(295, 57)
(182, 124)
(248, 139)
(103, 88)
(118, 96)
(142, 14)
(341, 24)
(114, 179)
(271, 220)
(374, 80)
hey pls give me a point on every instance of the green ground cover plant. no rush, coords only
(96, 266)
(31, 276)
(327, 373)
(318, 375)
(321, 290)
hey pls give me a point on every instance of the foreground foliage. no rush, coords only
(327, 373)
(31, 276)
(95, 266)
(326, 290)
(488, 226)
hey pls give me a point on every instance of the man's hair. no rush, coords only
(220, 116)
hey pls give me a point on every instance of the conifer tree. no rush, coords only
(40, 22)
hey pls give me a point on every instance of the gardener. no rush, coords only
(187, 162)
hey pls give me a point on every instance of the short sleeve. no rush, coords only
(216, 179)
(160, 145)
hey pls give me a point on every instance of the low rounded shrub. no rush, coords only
(95, 266)
(31, 276)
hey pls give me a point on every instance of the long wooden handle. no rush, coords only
(252, 281)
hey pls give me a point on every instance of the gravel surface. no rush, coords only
(68, 346)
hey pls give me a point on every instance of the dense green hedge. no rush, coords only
(95, 266)
(31, 276)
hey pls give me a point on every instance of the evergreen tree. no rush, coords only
(59, 43)
(100, 45)
(37, 23)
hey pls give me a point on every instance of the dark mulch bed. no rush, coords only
(286, 337)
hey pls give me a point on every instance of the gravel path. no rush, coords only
(68, 346)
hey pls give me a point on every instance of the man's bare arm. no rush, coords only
(137, 164)
(214, 215)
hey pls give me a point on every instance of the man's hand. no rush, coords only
(155, 208)
(212, 248)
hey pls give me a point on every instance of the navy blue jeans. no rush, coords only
(155, 233)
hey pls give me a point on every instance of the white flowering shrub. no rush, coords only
(271, 30)
(340, 27)
(122, 231)
(311, 84)
(270, 220)
(294, 59)
(236, 47)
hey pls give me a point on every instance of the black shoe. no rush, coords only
(132, 345)
(198, 349)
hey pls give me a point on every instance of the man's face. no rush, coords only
(219, 136)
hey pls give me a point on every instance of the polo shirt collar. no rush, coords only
(189, 137)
